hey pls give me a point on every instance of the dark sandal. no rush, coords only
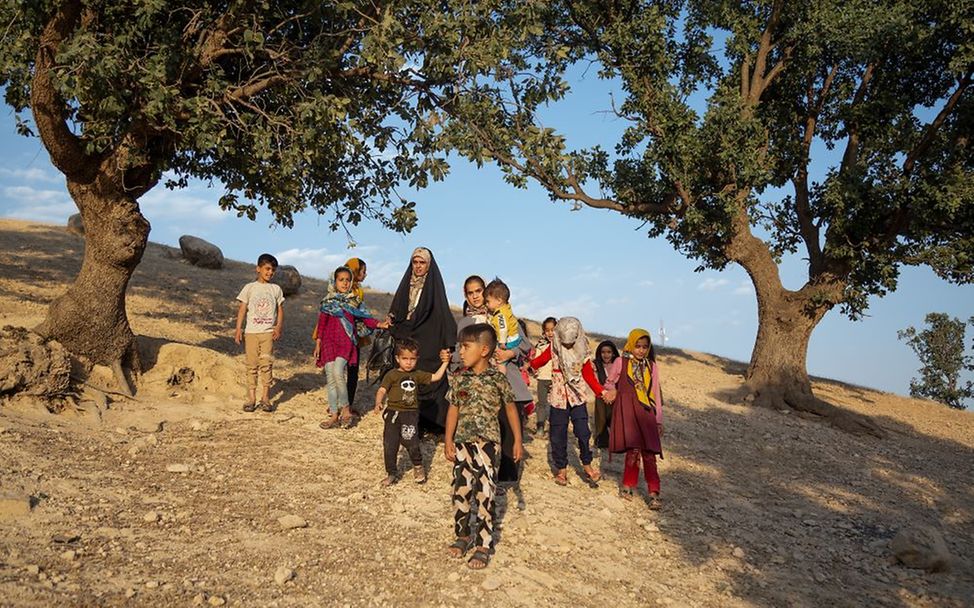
(266, 406)
(480, 556)
(561, 479)
(655, 504)
(626, 493)
(462, 545)
(249, 406)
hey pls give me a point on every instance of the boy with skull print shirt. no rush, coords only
(401, 387)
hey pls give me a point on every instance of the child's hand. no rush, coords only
(450, 451)
(383, 324)
(277, 332)
(609, 395)
(317, 350)
(518, 452)
(238, 335)
(378, 408)
(445, 356)
(660, 427)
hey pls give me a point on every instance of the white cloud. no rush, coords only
(712, 284)
(25, 202)
(744, 289)
(32, 174)
(646, 283)
(164, 204)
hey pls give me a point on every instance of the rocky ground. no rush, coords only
(179, 498)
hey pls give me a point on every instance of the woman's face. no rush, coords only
(343, 282)
(420, 267)
(641, 349)
(360, 275)
(474, 293)
(606, 353)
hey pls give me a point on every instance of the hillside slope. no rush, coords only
(174, 498)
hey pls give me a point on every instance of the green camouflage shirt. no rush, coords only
(479, 398)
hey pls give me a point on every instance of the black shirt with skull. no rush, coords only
(402, 388)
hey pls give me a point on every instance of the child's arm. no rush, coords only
(380, 396)
(539, 361)
(241, 315)
(444, 363)
(588, 373)
(611, 378)
(317, 335)
(449, 449)
(280, 322)
(515, 423)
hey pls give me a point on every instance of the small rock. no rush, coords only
(453, 577)
(152, 584)
(216, 600)
(66, 538)
(283, 575)
(738, 553)
(820, 577)
(921, 547)
(69, 555)
(151, 517)
(33, 569)
(491, 583)
(289, 522)
(199, 599)
(130, 593)
(177, 468)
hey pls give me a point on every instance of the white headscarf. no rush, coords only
(571, 360)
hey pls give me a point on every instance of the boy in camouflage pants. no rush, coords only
(477, 393)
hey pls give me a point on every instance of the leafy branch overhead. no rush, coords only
(883, 88)
(287, 104)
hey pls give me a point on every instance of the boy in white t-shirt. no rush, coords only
(262, 304)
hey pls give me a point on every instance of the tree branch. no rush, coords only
(925, 141)
(851, 154)
(758, 79)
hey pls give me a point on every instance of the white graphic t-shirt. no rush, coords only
(262, 300)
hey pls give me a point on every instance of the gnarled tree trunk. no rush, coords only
(777, 375)
(90, 319)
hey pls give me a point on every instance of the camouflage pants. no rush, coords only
(473, 479)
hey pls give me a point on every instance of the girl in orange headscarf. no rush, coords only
(632, 387)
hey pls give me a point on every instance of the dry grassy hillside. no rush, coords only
(173, 498)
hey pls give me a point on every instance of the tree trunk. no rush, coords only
(777, 375)
(90, 318)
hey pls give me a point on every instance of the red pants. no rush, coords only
(630, 475)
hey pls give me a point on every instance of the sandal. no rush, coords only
(561, 478)
(250, 406)
(330, 423)
(419, 474)
(460, 547)
(593, 474)
(266, 406)
(479, 559)
(626, 493)
(655, 503)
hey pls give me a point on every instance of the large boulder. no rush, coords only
(200, 253)
(76, 225)
(32, 365)
(921, 547)
(288, 278)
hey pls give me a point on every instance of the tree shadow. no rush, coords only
(812, 508)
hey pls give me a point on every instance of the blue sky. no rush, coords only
(593, 264)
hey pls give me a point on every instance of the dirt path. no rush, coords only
(175, 499)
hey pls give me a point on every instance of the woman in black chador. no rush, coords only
(420, 310)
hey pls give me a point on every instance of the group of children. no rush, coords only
(479, 393)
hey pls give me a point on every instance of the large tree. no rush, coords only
(837, 131)
(288, 104)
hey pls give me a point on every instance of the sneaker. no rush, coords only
(419, 474)
(250, 406)
(267, 406)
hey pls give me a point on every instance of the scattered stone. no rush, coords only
(69, 555)
(152, 584)
(199, 599)
(151, 517)
(177, 468)
(283, 575)
(14, 506)
(66, 538)
(453, 577)
(921, 547)
(216, 600)
(289, 522)
(76, 225)
(288, 278)
(33, 569)
(201, 253)
(492, 583)
(130, 593)
(738, 553)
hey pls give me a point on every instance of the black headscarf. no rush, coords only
(433, 326)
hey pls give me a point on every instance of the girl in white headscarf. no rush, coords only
(572, 375)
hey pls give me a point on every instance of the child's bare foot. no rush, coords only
(331, 423)
(459, 547)
(388, 481)
(593, 474)
(479, 559)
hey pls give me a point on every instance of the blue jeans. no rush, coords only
(337, 384)
(558, 435)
